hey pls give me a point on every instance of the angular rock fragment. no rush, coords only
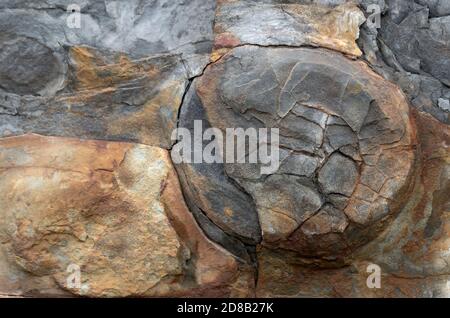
(284, 202)
(328, 220)
(267, 24)
(338, 175)
(299, 164)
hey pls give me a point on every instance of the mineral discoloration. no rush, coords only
(136, 100)
(362, 113)
(103, 206)
(111, 78)
(412, 252)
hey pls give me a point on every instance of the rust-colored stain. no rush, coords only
(155, 116)
(226, 40)
(94, 72)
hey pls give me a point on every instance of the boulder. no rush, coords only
(337, 114)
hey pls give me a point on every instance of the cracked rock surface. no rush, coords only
(411, 49)
(341, 129)
(87, 120)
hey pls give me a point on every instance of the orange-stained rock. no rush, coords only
(113, 209)
(413, 252)
(107, 96)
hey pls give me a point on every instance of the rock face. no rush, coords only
(265, 24)
(227, 214)
(52, 75)
(410, 48)
(104, 207)
(93, 204)
(347, 145)
(135, 100)
(412, 253)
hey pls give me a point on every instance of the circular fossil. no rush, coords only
(28, 67)
(346, 145)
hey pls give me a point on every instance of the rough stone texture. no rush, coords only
(413, 252)
(136, 27)
(51, 75)
(364, 170)
(265, 24)
(411, 48)
(227, 214)
(135, 100)
(115, 210)
(346, 120)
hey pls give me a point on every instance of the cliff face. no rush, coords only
(92, 203)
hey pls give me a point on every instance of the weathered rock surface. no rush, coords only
(109, 79)
(136, 27)
(266, 24)
(352, 127)
(364, 172)
(420, 44)
(412, 253)
(411, 48)
(113, 209)
(225, 213)
(135, 100)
